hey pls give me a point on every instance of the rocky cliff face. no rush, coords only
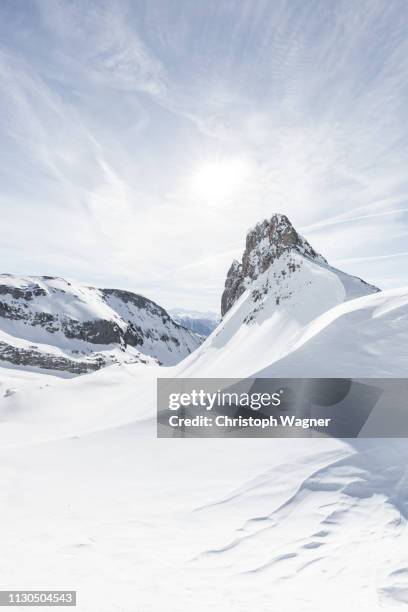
(54, 324)
(265, 243)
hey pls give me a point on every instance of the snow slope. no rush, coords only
(231, 524)
(91, 500)
(365, 337)
(271, 315)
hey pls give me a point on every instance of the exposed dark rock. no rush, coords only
(25, 357)
(99, 331)
(234, 286)
(133, 336)
(19, 293)
(265, 243)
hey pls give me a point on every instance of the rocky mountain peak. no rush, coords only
(265, 243)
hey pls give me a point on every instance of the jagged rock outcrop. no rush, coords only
(265, 243)
(46, 361)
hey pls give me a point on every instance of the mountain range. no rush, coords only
(282, 304)
(58, 325)
(286, 524)
(201, 323)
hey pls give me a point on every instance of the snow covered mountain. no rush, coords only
(270, 298)
(265, 244)
(259, 520)
(55, 324)
(202, 323)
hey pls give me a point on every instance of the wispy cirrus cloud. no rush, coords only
(109, 108)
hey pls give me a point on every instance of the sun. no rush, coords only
(219, 180)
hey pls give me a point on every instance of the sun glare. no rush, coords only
(219, 180)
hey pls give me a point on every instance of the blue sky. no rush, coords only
(139, 141)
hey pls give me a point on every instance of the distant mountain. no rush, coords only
(55, 324)
(202, 323)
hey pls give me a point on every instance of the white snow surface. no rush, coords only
(92, 501)
(271, 316)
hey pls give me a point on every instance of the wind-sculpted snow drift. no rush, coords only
(229, 525)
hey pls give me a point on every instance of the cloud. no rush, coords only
(108, 109)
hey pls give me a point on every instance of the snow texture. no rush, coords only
(92, 501)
